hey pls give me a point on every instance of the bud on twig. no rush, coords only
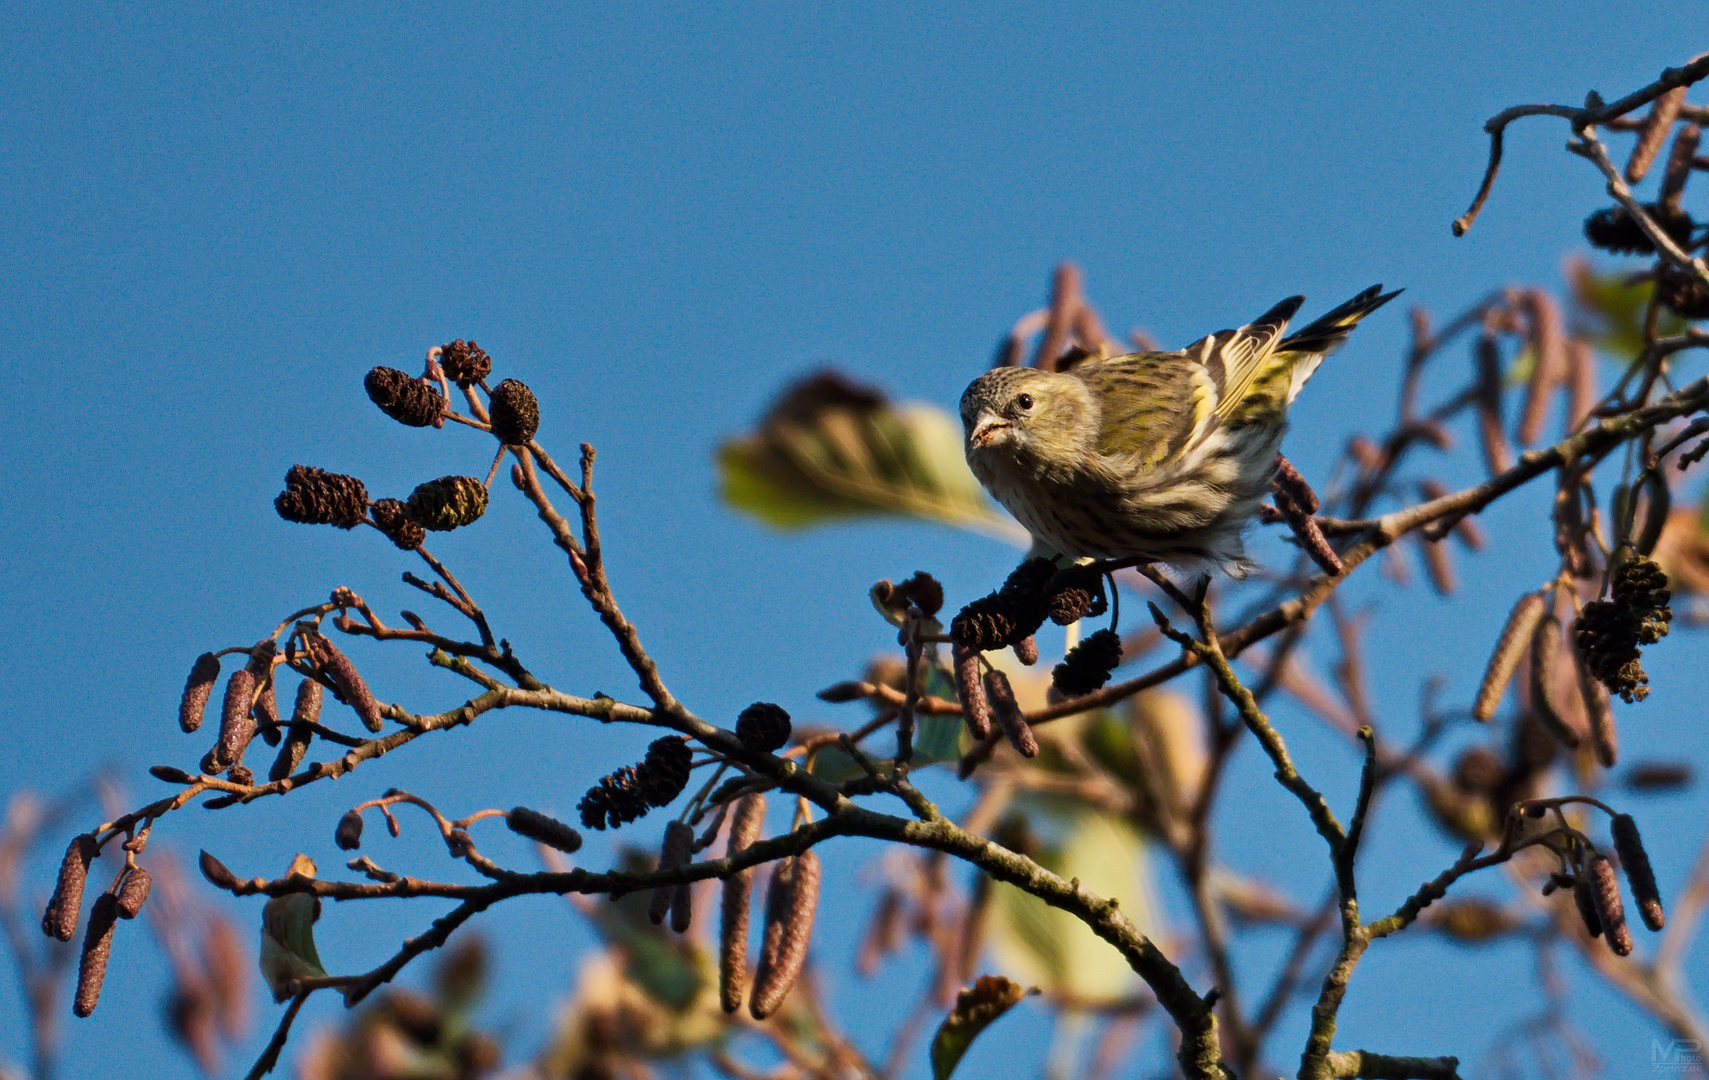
(60, 919)
(170, 775)
(97, 947)
(216, 872)
(1605, 891)
(133, 892)
(1639, 875)
(1008, 713)
(733, 912)
(678, 843)
(841, 693)
(791, 902)
(543, 829)
(1515, 636)
(970, 689)
(197, 688)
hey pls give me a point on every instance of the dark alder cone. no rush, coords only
(763, 727)
(1615, 229)
(1075, 594)
(615, 800)
(349, 683)
(216, 872)
(1088, 665)
(515, 412)
(1681, 293)
(1639, 874)
(465, 363)
(791, 902)
(1606, 637)
(664, 771)
(97, 947)
(543, 829)
(410, 401)
(237, 724)
(970, 690)
(447, 503)
(1586, 904)
(1605, 891)
(1011, 613)
(921, 591)
(1641, 586)
(60, 919)
(348, 834)
(745, 827)
(299, 733)
(317, 497)
(1008, 713)
(392, 518)
(197, 688)
(674, 852)
(134, 891)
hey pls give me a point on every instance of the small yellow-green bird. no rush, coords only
(1163, 455)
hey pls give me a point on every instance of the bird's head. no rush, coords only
(1025, 413)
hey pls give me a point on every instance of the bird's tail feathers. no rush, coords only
(1330, 330)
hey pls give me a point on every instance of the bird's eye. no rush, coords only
(1024, 401)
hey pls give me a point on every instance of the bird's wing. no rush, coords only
(1151, 404)
(1237, 359)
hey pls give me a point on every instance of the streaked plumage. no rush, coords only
(1160, 454)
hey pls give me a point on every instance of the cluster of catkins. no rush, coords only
(1009, 617)
(1596, 890)
(792, 897)
(250, 705)
(122, 900)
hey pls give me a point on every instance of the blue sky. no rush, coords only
(216, 220)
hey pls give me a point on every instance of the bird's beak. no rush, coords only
(986, 427)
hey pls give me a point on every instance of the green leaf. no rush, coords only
(829, 449)
(976, 1008)
(1054, 950)
(1616, 308)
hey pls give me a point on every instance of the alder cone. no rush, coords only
(763, 727)
(733, 915)
(465, 363)
(317, 497)
(791, 902)
(515, 413)
(410, 401)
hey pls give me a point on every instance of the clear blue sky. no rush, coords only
(217, 217)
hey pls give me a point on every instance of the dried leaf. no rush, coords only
(976, 1008)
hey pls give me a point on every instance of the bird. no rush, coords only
(1161, 456)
